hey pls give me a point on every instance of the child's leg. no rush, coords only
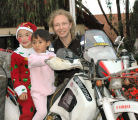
(41, 106)
(27, 109)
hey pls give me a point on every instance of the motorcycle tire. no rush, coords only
(3, 86)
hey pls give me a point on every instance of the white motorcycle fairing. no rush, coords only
(97, 46)
(77, 101)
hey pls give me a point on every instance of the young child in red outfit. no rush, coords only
(20, 73)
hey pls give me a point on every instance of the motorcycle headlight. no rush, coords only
(53, 116)
(115, 83)
(49, 118)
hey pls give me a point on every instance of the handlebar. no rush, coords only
(120, 42)
(119, 73)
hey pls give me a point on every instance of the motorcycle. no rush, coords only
(81, 97)
(88, 94)
(3, 85)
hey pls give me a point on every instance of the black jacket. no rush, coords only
(75, 47)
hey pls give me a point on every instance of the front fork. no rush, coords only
(105, 105)
(119, 95)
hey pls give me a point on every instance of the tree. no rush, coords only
(127, 19)
(134, 27)
(123, 26)
(134, 19)
(14, 12)
(108, 21)
(120, 26)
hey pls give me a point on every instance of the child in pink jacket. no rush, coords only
(42, 76)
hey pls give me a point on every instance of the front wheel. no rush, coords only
(123, 116)
(53, 116)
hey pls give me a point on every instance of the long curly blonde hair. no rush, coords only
(65, 13)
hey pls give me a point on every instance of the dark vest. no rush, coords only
(75, 47)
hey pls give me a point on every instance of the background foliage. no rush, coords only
(13, 12)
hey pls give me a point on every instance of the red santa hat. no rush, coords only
(27, 26)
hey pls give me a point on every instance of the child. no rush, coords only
(42, 76)
(20, 74)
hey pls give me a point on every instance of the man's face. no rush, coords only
(61, 26)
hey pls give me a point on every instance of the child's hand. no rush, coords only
(51, 57)
(23, 96)
(26, 59)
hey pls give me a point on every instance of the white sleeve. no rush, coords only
(20, 89)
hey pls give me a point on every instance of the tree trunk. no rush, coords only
(127, 19)
(120, 25)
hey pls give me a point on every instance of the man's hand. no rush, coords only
(23, 96)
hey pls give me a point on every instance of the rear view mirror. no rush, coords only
(117, 40)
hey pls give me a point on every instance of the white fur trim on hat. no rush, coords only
(25, 28)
